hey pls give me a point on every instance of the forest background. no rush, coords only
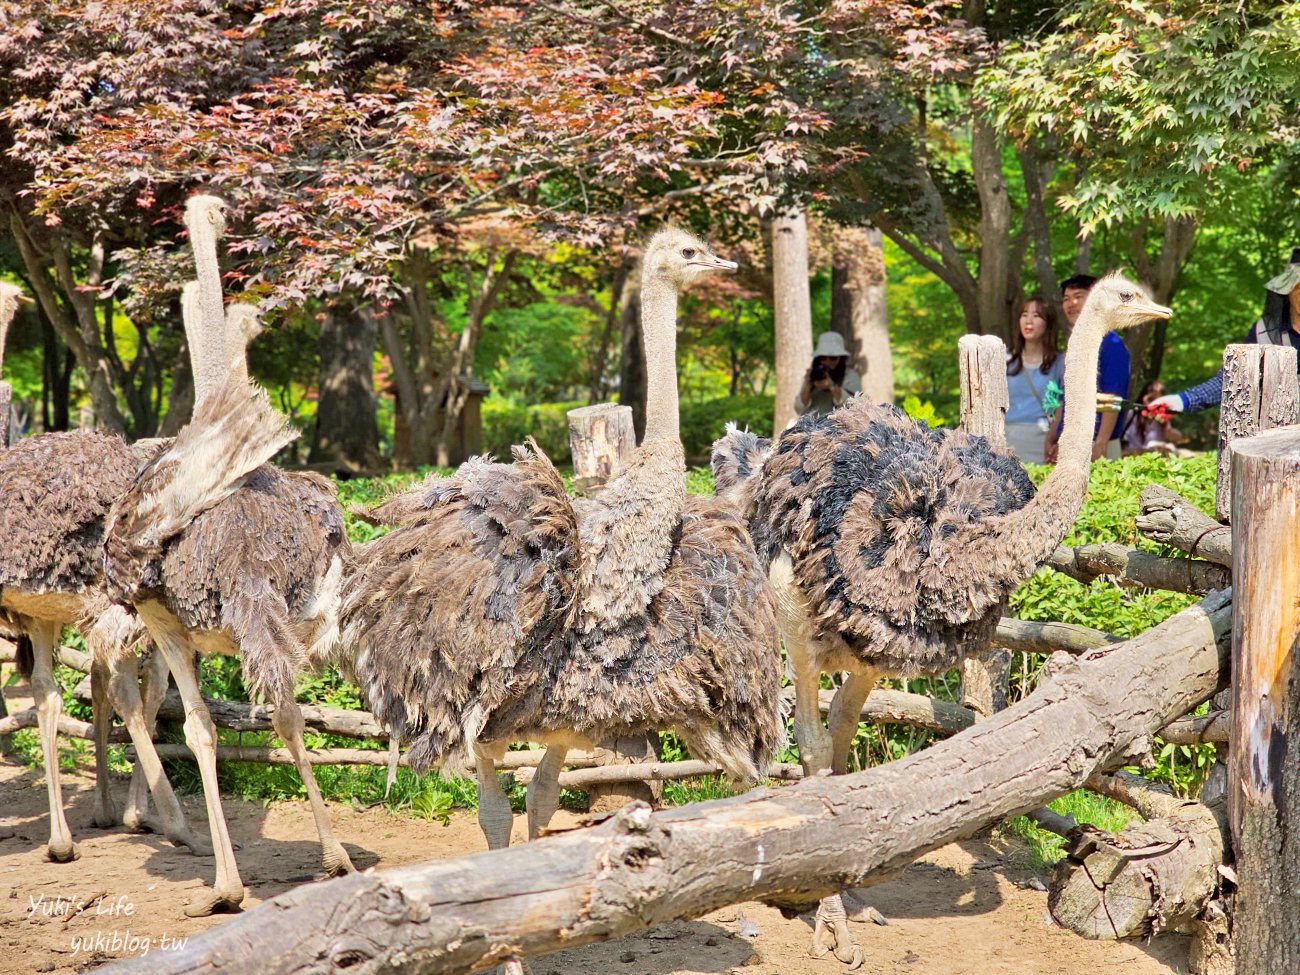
(428, 193)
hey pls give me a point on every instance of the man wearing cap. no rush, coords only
(1279, 325)
(829, 380)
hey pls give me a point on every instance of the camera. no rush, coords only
(819, 371)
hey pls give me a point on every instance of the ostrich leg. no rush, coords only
(201, 735)
(106, 812)
(137, 816)
(544, 790)
(138, 718)
(288, 723)
(49, 705)
(846, 714)
(494, 816)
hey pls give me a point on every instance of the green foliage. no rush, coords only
(703, 423)
(923, 411)
(505, 425)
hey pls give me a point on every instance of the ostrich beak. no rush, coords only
(711, 263)
(1149, 309)
(26, 300)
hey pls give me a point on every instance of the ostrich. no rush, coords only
(500, 611)
(219, 552)
(893, 548)
(52, 523)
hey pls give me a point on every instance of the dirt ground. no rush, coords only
(962, 910)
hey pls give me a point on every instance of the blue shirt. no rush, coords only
(1112, 377)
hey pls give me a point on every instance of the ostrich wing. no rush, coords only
(872, 507)
(442, 609)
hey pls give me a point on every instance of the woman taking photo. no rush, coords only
(1033, 368)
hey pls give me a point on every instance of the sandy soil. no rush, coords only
(962, 910)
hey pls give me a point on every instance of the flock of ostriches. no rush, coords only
(500, 610)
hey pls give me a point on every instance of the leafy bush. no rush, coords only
(706, 421)
(505, 425)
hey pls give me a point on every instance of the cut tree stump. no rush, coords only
(1259, 393)
(791, 846)
(1264, 745)
(601, 439)
(986, 675)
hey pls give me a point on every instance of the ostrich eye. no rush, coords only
(1126, 296)
(688, 252)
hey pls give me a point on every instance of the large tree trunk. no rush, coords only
(347, 431)
(994, 230)
(793, 311)
(791, 845)
(858, 309)
(1146, 341)
(57, 364)
(631, 364)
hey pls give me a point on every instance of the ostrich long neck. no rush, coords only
(1029, 536)
(210, 356)
(629, 545)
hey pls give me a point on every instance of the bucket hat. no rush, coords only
(831, 344)
(1285, 282)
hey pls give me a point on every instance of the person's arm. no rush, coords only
(1105, 428)
(1202, 395)
(803, 398)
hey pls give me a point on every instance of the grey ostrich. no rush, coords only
(51, 527)
(502, 611)
(219, 552)
(893, 548)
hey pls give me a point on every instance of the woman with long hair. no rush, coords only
(1035, 371)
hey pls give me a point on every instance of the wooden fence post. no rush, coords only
(984, 402)
(1264, 741)
(601, 439)
(1259, 393)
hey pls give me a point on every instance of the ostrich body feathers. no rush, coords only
(487, 617)
(882, 518)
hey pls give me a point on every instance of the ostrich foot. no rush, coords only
(831, 934)
(337, 861)
(106, 813)
(62, 852)
(515, 966)
(213, 901)
(146, 822)
(858, 909)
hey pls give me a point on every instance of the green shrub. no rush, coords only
(505, 425)
(704, 422)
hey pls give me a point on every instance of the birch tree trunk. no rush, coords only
(793, 311)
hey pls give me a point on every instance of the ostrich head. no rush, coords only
(243, 322)
(1120, 303)
(202, 210)
(679, 257)
(10, 297)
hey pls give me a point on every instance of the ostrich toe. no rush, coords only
(337, 861)
(62, 852)
(831, 934)
(213, 901)
(106, 812)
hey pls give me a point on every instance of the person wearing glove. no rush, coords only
(1279, 325)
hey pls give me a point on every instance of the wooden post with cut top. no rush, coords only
(601, 440)
(1264, 740)
(984, 404)
(1259, 393)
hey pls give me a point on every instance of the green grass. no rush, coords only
(1042, 849)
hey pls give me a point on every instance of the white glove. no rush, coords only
(1173, 403)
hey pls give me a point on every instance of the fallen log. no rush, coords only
(1132, 567)
(791, 845)
(587, 778)
(1031, 637)
(1167, 517)
(68, 726)
(267, 755)
(1202, 729)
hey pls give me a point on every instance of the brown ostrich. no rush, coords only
(219, 552)
(502, 611)
(51, 523)
(893, 548)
